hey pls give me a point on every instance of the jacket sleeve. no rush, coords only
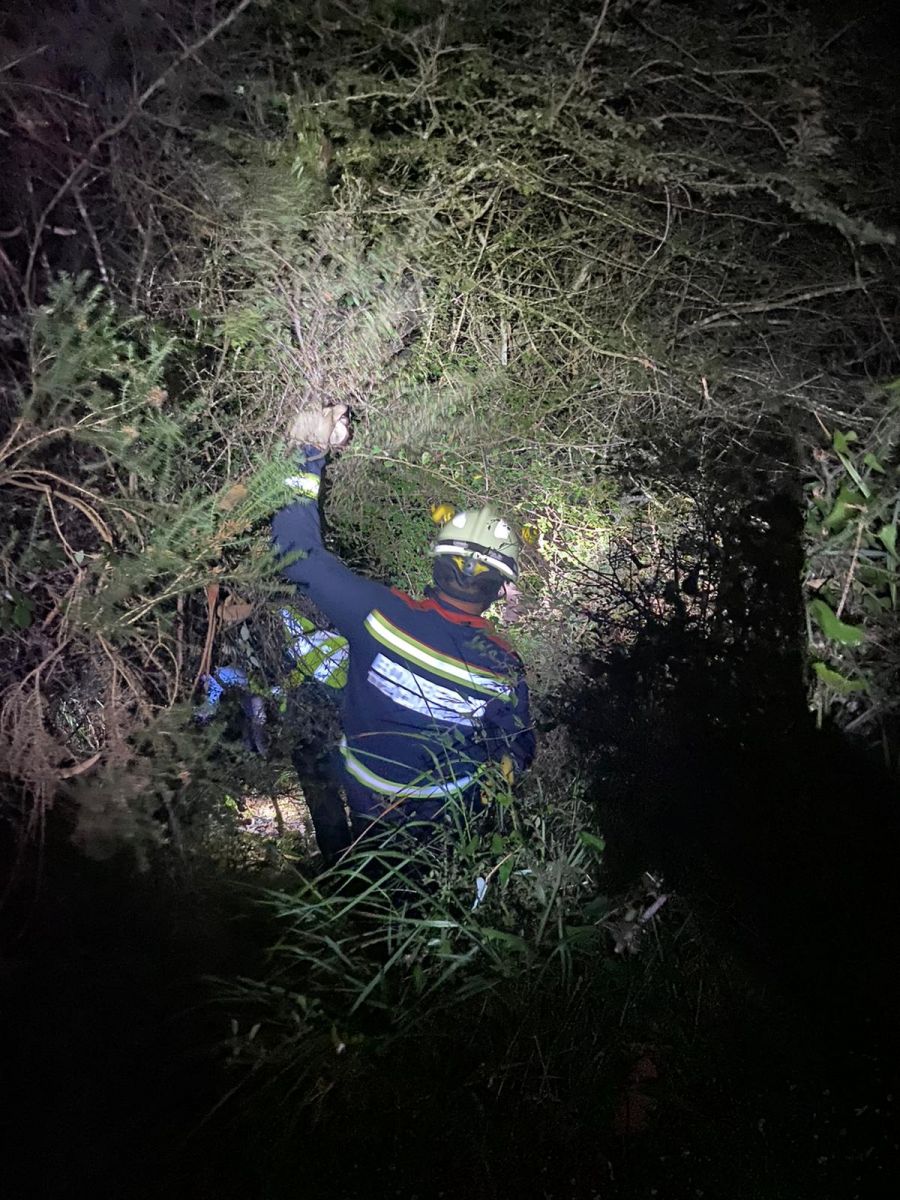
(508, 728)
(345, 597)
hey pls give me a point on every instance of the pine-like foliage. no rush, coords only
(611, 268)
(115, 522)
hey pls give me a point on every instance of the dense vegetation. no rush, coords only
(631, 272)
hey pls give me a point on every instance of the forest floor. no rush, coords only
(116, 1065)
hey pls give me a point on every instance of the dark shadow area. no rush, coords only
(109, 1037)
(768, 1011)
(714, 774)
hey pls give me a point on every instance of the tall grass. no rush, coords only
(410, 936)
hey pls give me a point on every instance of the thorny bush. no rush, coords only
(590, 264)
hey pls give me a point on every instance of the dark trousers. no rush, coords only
(326, 805)
(324, 798)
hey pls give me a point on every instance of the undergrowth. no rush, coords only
(630, 274)
(590, 284)
(484, 967)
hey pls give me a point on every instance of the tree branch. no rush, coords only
(761, 306)
(585, 52)
(78, 173)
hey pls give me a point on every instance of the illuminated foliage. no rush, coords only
(606, 269)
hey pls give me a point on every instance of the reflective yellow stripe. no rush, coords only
(318, 653)
(453, 669)
(387, 787)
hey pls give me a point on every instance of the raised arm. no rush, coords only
(345, 597)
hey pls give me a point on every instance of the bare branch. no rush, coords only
(576, 78)
(78, 173)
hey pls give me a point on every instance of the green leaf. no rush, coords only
(470, 848)
(841, 445)
(846, 502)
(875, 606)
(581, 937)
(512, 940)
(837, 682)
(834, 628)
(596, 909)
(597, 844)
(887, 535)
(877, 577)
(842, 441)
(873, 464)
(506, 869)
(21, 613)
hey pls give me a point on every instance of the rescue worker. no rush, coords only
(432, 694)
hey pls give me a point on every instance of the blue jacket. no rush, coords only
(432, 693)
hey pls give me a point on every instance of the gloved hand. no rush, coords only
(325, 428)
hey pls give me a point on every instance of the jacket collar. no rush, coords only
(449, 611)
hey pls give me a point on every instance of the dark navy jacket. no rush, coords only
(432, 693)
